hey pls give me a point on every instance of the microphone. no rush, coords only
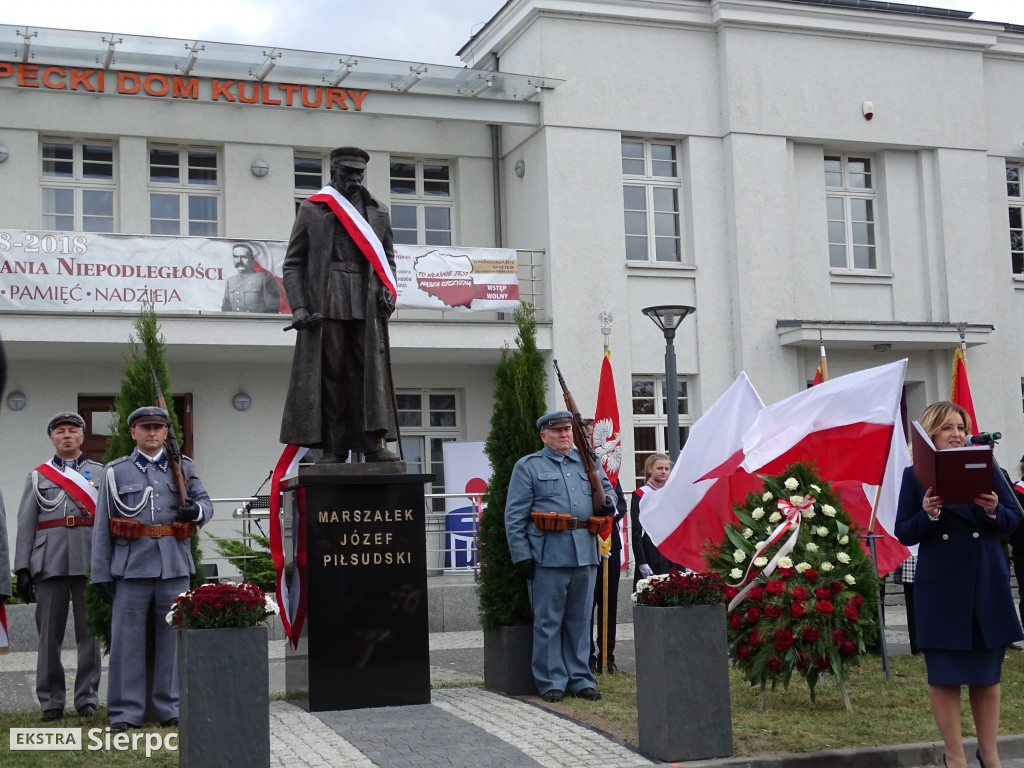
(985, 438)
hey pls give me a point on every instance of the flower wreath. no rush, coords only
(219, 606)
(803, 591)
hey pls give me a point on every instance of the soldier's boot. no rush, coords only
(381, 453)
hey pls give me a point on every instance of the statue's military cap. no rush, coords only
(554, 419)
(351, 157)
(149, 414)
(64, 417)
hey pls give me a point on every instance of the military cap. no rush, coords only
(351, 157)
(149, 414)
(64, 417)
(554, 419)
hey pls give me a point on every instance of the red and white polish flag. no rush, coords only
(845, 426)
(607, 441)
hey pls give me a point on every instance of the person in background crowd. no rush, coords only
(141, 556)
(1017, 543)
(51, 560)
(964, 611)
(614, 558)
(558, 560)
(647, 560)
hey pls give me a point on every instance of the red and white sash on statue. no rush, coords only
(1019, 486)
(361, 232)
(78, 488)
(290, 598)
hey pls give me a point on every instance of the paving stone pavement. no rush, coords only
(472, 728)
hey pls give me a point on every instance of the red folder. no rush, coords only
(955, 475)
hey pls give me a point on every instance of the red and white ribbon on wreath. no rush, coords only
(792, 515)
(76, 486)
(361, 232)
(289, 597)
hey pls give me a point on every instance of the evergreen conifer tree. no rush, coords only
(520, 384)
(145, 355)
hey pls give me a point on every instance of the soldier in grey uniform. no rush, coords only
(560, 565)
(51, 561)
(249, 290)
(141, 556)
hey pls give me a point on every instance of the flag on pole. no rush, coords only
(689, 510)
(962, 388)
(844, 425)
(290, 597)
(821, 374)
(607, 441)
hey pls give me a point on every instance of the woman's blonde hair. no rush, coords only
(935, 415)
(653, 459)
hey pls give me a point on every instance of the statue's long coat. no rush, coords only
(306, 267)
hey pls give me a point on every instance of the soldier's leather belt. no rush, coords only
(133, 529)
(72, 521)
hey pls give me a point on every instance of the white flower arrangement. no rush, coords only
(828, 510)
(791, 484)
(758, 513)
(774, 517)
(760, 562)
(739, 556)
(736, 574)
(785, 562)
(747, 533)
(811, 546)
(801, 567)
(826, 566)
(821, 530)
(766, 496)
(848, 578)
(842, 557)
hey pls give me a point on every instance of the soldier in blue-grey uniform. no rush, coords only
(51, 560)
(560, 565)
(141, 556)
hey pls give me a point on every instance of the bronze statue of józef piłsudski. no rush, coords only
(339, 277)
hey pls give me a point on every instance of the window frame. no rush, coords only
(431, 436)
(185, 190)
(421, 201)
(79, 184)
(848, 195)
(652, 184)
(658, 419)
(1015, 208)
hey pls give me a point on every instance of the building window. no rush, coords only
(850, 206)
(311, 173)
(184, 191)
(650, 419)
(421, 201)
(650, 194)
(427, 420)
(78, 185)
(1015, 201)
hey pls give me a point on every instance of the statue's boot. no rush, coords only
(381, 454)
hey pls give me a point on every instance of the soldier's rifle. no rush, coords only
(581, 440)
(171, 446)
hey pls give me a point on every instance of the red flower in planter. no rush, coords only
(772, 610)
(823, 606)
(838, 636)
(736, 621)
(810, 634)
(850, 611)
(756, 594)
(811, 575)
(753, 614)
(823, 593)
(775, 664)
(787, 572)
(797, 609)
(847, 649)
(743, 651)
(775, 587)
(756, 639)
(823, 663)
(857, 601)
(802, 660)
(836, 587)
(799, 593)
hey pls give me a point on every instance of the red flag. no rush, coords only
(818, 377)
(962, 388)
(690, 510)
(844, 425)
(606, 439)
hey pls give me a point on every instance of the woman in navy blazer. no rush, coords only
(965, 613)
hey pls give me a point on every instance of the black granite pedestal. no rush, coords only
(365, 639)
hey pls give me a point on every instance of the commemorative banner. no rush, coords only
(43, 271)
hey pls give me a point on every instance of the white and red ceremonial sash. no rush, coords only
(5, 640)
(76, 486)
(361, 232)
(1019, 486)
(290, 598)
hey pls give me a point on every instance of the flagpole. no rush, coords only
(823, 363)
(606, 332)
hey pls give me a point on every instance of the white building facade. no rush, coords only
(793, 170)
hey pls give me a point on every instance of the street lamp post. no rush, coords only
(668, 317)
